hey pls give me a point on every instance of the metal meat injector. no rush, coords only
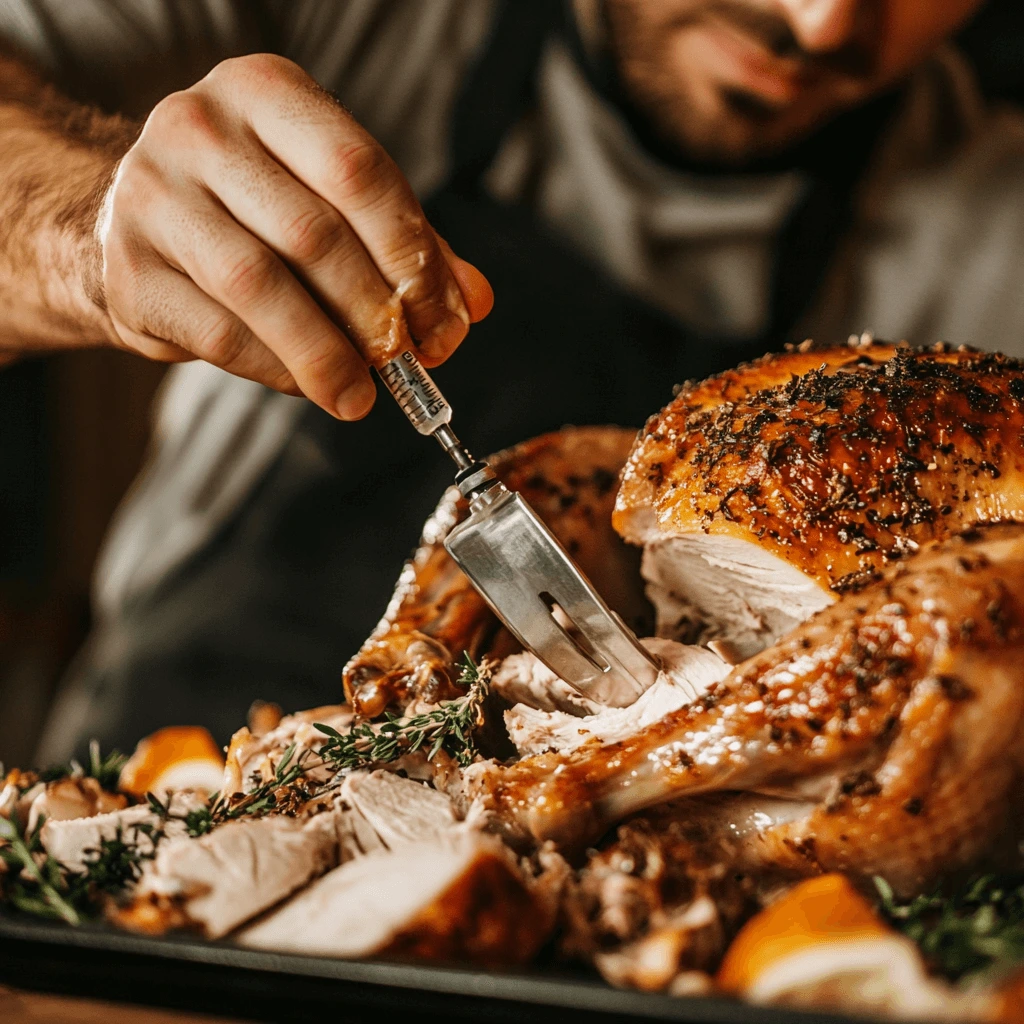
(520, 568)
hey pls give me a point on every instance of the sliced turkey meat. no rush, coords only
(686, 673)
(398, 810)
(760, 493)
(457, 897)
(218, 881)
(75, 841)
(524, 679)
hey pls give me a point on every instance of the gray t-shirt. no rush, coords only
(934, 252)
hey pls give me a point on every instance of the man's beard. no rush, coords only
(747, 126)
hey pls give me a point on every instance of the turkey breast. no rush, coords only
(761, 493)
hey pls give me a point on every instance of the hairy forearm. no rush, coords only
(59, 158)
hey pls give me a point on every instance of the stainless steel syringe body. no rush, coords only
(429, 412)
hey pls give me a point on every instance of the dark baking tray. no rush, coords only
(216, 977)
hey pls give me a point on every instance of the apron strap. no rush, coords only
(499, 88)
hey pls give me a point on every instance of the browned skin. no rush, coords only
(898, 713)
(570, 478)
(487, 917)
(836, 460)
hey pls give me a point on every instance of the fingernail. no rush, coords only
(357, 399)
(445, 337)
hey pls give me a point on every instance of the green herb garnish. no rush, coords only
(114, 866)
(279, 793)
(978, 928)
(33, 882)
(449, 727)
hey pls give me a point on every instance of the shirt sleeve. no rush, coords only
(125, 55)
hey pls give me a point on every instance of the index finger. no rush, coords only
(325, 148)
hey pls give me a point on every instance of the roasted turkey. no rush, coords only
(887, 733)
(821, 495)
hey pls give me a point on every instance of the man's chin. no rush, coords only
(743, 131)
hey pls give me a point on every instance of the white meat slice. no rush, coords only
(356, 836)
(687, 672)
(709, 587)
(525, 679)
(73, 841)
(457, 896)
(222, 879)
(399, 810)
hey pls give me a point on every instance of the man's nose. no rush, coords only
(821, 25)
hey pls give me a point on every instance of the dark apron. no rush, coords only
(293, 585)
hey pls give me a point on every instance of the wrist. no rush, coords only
(65, 162)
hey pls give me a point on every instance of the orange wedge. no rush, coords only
(175, 758)
(1008, 1000)
(823, 909)
(823, 945)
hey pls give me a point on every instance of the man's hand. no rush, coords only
(256, 226)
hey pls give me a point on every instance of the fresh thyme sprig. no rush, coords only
(33, 882)
(197, 821)
(448, 727)
(38, 884)
(977, 929)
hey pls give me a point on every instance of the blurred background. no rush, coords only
(73, 430)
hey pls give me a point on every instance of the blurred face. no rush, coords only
(730, 80)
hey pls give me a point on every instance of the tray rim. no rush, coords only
(537, 989)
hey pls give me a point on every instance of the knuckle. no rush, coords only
(176, 107)
(323, 375)
(252, 69)
(221, 341)
(414, 258)
(250, 276)
(138, 184)
(313, 235)
(427, 295)
(186, 114)
(359, 167)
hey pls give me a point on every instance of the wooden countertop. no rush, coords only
(18, 1007)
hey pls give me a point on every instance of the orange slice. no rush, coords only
(821, 909)
(175, 758)
(823, 945)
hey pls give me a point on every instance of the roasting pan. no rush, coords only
(216, 977)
